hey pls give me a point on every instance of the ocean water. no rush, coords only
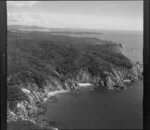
(132, 41)
(101, 109)
(98, 109)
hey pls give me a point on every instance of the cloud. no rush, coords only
(61, 20)
(22, 3)
(22, 19)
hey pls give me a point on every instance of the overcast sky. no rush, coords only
(122, 15)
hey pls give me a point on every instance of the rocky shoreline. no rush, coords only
(39, 67)
(28, 110)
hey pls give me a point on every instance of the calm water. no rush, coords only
(98, 109)
(132, 41)
(101, 109)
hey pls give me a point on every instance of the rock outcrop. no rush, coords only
(39, 64)
(112, 80)
(27, 110)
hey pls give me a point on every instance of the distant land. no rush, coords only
(42, 61)
(52, 30)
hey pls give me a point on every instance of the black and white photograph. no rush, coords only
(74, 65)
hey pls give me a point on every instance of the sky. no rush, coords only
(112, 15)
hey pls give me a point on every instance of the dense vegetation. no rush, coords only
(42, 62)
(37, 56)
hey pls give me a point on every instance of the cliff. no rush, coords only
(40, 64)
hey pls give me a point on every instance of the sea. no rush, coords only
(101, 109)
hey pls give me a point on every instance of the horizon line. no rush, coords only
(77, 28)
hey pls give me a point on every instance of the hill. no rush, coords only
(39, 63)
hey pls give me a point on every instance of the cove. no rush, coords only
(98, 109)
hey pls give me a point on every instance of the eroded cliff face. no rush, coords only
(28, 108)
(112, 80)
(39, 68)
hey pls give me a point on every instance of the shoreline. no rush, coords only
(43, 117)
(55, 93)
(46, 96)
(80, 85)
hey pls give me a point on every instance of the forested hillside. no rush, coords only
(39, 63)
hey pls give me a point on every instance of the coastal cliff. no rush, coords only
(40, 65)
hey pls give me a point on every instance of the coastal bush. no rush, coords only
(43, 62)
(15, 95)
(43, 56)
